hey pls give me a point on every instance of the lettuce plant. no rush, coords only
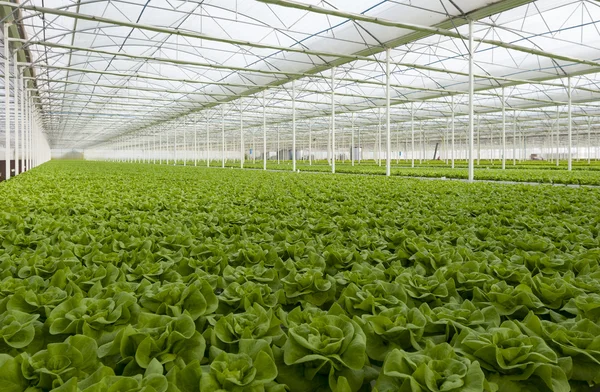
(513, 360)
(398, 327)
(196, 298)
(330, 350)
(435, 368)
(252, 368)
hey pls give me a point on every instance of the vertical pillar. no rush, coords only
(195, 140)
(207, 142)
(310, 143)
(265, 133)
(422, 154)
(242, 146)
(379, 137)
(359, 147)
(388, 161)
(223, 136)
(589, 143)
(570, 125)
(452, 130)
(333, 120)
(352, 152)
(293, 125)
(159, 147)
(16, 116)
(412, 132)
(184, 150)
(471, 91)
(478, 125)
(514, 138)
(503, 130)
(7, 101)
(154, 149)
(278, 147)
(397, 144)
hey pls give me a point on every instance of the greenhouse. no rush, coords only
(300, 195)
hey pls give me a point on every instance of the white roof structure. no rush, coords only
(107, 71)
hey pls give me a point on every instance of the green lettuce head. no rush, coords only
(436, 368)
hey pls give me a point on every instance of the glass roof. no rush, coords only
(108, 70)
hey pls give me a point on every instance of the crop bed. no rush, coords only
(127, 277)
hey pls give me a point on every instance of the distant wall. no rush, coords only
(67, 154)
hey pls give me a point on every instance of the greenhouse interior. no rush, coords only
(300, 195)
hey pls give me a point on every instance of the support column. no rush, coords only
(379, 137)
(452, 120)
(589, 143)
(16, 116)
(293, 125)
(503, 130)
(207, 142)
(154, 149)
(478, 125)
(515, 138)
(310, 144)
(223, 136)
(7, 101)
(195, 140)
(388, 161)
(333, 120)
(359, 147)
(184, 151)
(471, 116)
(160, 149)
(422, 133)
(265, 133)
(570, 126)
(242, 146)
(278, 147)
(412, 132)
(352, 152)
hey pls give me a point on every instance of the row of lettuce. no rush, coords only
(146, 278)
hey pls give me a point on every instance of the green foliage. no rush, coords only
(124, 277)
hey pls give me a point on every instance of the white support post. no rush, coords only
(379, 137)
(222, 136)
(570, 129)
(278, 146)
(310, 144)
(422, 135)
(557, 135)
(175, 144)
(478, 130)
(333, 119)
(293, 125)
(514, 138)
(452, 129)
(184, 150)
(589, 143)
(503, 130)
(412, 133)
(265, 132)
(195, 140)
(207, 142)
(471, 91)
(359, 147)
(16, 102)
(7, 101)
(388, 162)
(352, 152)
(242, 146)
(154, 149)
(398, 144)
(160, 149)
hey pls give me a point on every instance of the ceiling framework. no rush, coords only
(105, 73)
